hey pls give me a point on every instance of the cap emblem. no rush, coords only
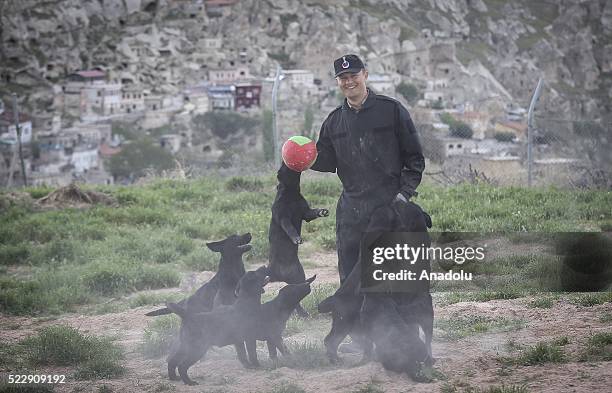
(345, 64)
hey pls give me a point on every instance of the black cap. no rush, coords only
(348, 63)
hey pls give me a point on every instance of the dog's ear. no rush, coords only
(311, 279)
(215, 246)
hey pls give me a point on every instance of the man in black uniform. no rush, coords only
(371, 142)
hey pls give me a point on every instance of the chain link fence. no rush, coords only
(490, 145)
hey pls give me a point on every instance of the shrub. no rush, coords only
(504, 136)
(225, 124)
(437, 105)
(65, 346)
(237, 184)
(304, 356)
(599, 347)
(408, 91)
(14, 254)
(461, 130)
(542, 302)
(542, 353)
(139, 156)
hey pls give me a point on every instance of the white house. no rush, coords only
(228, 75)
(84, 158)
(297, 78)
(87, 93)
(382, 84)
(8, 129)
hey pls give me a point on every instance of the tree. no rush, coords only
(461, 130)
(447, 119)
(505, 136)
(137, 157)
(408, 91)
(224, 124)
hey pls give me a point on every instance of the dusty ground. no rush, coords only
(470, 361)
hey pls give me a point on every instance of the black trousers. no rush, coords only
(352, 219)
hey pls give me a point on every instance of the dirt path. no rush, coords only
(470, 361)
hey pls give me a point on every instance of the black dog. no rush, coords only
(273, 317)
(398, 344)
(226, 325)
(347, 304)
(220, 289)
(288, 211)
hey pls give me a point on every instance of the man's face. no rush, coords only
(353, 84)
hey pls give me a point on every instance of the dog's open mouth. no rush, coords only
(245, 248)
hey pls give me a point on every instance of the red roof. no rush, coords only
(91, 74)
(107, 151)
(514, 125)
(9, 117)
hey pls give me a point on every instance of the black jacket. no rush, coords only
(375, 150)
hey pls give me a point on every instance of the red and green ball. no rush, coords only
(299, 153)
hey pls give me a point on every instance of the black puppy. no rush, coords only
(225, 325)
(398, 345)
(273, 316)
(346, 304)
(288, 211)
(220, 289)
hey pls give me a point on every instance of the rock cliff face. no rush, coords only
(164, 45)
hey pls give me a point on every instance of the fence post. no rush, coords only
(18, 132)
(277, 79)
(530, 130)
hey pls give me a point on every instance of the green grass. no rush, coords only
(286, 388)
(316, 296)
(542, 302)
(304, 356)
(459, 326)
(12, 388)
(454, 388)
(371, 387)
(598, 347)
(159, 334)
(55, 261)
(591, 299)
(446, 298)
(606, 317)
(94, 357)
(541, 353)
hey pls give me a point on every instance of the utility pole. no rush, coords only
(18, 130)
(530, 130)
(277, 79)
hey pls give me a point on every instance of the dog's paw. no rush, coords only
(323, 212)
(298, 240)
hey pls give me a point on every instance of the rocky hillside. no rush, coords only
(482, 47)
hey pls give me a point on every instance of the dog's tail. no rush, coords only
(161, 311)
(177, 309)
(327, 305)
